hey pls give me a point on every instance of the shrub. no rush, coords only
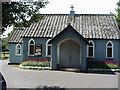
(113, 66)
(36, 62)
(102, 64)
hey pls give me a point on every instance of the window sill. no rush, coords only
(31, 55)
(18, 54)
(90, 57)
(48, 55)
(109, 57)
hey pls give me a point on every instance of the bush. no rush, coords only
(36, 62)
(102, 64)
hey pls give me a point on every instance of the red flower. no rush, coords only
(37, 60)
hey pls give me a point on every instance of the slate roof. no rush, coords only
(16, 36)
(98, 26)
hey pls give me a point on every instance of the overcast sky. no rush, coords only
(80, 7)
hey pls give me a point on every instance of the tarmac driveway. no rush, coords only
(19, 78)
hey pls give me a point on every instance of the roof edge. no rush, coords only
(78, 14)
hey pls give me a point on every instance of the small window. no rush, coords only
(18, 49)
(31, 47)
(109, 50)
(90, 49)
(48, 49)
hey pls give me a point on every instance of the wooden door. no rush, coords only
(69, 54)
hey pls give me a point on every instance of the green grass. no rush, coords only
(36, 63)
(103, 65)
(2, 55)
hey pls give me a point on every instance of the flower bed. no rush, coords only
(92, 64)
(35, 64)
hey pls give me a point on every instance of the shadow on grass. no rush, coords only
(102, 67)
(49, 88)
(86, 72)
(64, 89)
(99, 72)
(40, 87)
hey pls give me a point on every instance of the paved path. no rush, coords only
(19, 78)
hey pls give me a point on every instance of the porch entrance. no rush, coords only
(69, 54)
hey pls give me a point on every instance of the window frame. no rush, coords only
(16, 49)
(48, 45)
(109, 47)
(93, 49)
(29, 47)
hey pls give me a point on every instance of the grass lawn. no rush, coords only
(41, 64)
(102, 65)
(3, 56)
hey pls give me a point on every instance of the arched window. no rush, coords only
(109, 49)
(18, 49)
(90, 49)
(48, 48)
(31, 47)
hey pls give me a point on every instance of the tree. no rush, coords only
(4, 44)
(118, 13)
(17, 13)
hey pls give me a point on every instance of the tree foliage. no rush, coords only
(118, 13)
(17, 13)
(4, 44)
(34, 18)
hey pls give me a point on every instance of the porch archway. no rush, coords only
(69, 54)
